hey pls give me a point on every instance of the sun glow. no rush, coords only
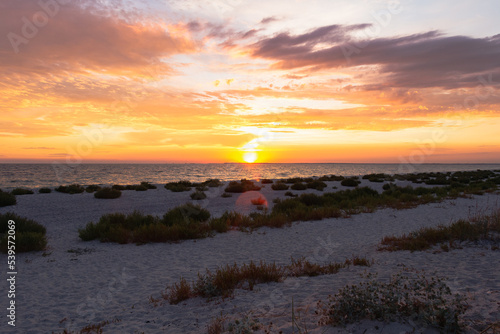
(250, 157)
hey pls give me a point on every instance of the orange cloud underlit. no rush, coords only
(102, 81)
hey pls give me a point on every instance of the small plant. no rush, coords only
(241, 187)
(92, 188)
(266, 181)
(148, 185)
(318, 185)
(246, 325)
(350, 182)
(290, 194)
(30, 235)
(45, 190)
(71, 189)
(140, 188)
(198, 195)
(280, 186)
(409, 295)
(179, 186)
(226, 195)
(7, 199)
(107, 193)
(22, 191)
(299, 186)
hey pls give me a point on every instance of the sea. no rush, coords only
(54, 174)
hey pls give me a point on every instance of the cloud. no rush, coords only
(81, 37)
(428, 59)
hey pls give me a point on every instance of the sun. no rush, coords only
(250, 157)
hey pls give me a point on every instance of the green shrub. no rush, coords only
(409, 295)
(140, 188)
(331, 178)
(198, 195)
(92, 188)
(213, 183)
(107, 193)
(148, 185)
(184, 213)
(279, 186)
(7, 199)
(30, 235)
(45, 190)
(241, 187)
(22, 191)
(318, 185)
(299, 186)
(119, 187)
(71, 189)
(178, 186)
(351, 182)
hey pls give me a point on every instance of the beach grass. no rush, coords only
(29, 235)
(484, 227)
(225, 279)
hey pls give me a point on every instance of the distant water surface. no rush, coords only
(49, 175)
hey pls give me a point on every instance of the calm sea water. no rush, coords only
(50, 175)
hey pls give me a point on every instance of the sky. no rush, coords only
(210, 81)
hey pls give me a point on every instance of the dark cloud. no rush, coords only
(428, 59)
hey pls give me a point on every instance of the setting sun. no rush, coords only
(250, 157)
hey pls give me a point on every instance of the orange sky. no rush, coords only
(213, 81)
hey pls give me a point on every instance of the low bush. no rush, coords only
(410, 295)
(7, 199)
(92, 188)
(180, 223)
(148, 185)
(298, 186)
(318, 185)
(198, 195)
(45, 190)
(266, 181)
(213, 183)
(279, 186)
(107, 193)
(226, 195)
(241, 187)
(290, 194)
(29, 235)
(179, 186)
(331, 178)
(71, 189)
(140, 187)
(350, 182)
(22, 191)
(185, 213)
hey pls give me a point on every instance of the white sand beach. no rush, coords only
(76, 283)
